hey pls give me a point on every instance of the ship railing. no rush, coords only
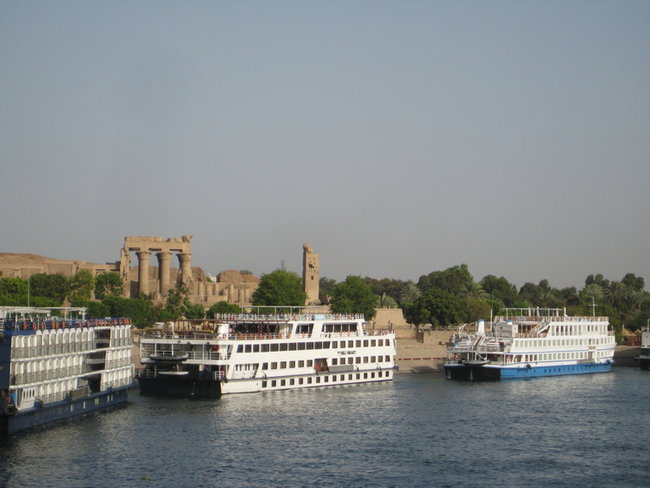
(18, 325)
(286, 317)
(491, 348)
(207, 355)
(579, 319)
(379, 332)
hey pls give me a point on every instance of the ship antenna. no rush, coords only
(593, 307)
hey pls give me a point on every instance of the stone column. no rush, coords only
(310, 274)
(143, 272)
(163, 271)
(125, 265)
(185, 260)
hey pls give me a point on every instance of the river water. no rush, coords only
(418, 431)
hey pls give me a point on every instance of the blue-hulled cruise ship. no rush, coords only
(55, 364)
(531, 342)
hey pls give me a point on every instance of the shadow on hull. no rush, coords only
(180, 387)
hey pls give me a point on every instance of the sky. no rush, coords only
(398, 138)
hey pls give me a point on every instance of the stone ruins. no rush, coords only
(145, 278)
(310, 274)
(143, 248)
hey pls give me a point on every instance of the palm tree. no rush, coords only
(409, 294)
(474, 290)
(387, 301)
(632, 299)
(614, 292)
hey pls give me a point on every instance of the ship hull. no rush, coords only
(644, 363)
(45, 415)
(496, 373)
(179, 387)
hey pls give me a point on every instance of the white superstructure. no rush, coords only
(251, 353)
(53, 367)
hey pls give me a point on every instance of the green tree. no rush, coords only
(53, 286)
(13, 287)
(223, 307)
(98, 310)
(178, 301)
(81, 288)
(477, 308)
(386, 286)
(437, 307)
(569, 296)
(195, 311)
(279, 288)
(16, 292)
(597, 279)
(386, 301)
(325, 289)
(108, 284)
(409, 294)
(354, 295)
(633, 281)
(455, 280)
(592, 293)
(500, 289)
(141, 311)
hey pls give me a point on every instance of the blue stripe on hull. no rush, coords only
(539, 371)
(66, 409)
(495, 373)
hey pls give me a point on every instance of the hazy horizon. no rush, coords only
(397, 138)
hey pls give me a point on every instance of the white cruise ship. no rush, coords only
(55, 364)
(252, 353)
(527, 343)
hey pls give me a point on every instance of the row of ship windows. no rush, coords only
(325, 379)
(562, 342)
(302, 346)
(310, 363)
(578, 329)
(560, 356)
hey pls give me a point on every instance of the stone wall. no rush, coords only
(15, 265)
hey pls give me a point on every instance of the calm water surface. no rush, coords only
(419, 431)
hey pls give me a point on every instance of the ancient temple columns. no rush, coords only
(164, 258)
(184, 260)
(144, 246)
(143, 272)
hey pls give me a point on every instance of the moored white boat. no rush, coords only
(527, 343)
(55, 367)
(251, 353)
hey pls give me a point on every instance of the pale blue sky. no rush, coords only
(398, 137)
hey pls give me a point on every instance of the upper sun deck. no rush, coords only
(297, 317)
(252, 327)
(534, 316)
(29, 320)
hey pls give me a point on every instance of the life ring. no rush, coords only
(10, 410)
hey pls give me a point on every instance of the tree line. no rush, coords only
(102, 296)
(440, 298)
